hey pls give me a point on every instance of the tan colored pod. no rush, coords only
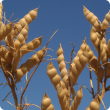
(53, 75)
(62, 65)
(46, 103)
(77, 100)
(88, 108)
(92, 18)
(5, 31)
(1, 8)
(94, 105)
(106, 21)
(31, 45)
(77, 57)
(5, 54)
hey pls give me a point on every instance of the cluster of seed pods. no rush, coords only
(62, 65)
(77, 100)
(79, 63)
(46, 103)
(21, 39)
(59, 85)
(30, 63)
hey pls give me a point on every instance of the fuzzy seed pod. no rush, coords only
(30, 63)
(46, 103)
(62, 65)
(77, 100)
(92, 18)
(53, 75)
(5, 31)
(106, 21)
(21, 37)
(1, 8)
(5, 54)
(31, 45)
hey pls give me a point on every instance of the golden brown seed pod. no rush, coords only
(53, 75)
(62, 94)
(92, 18)
(106, 21)
(1, 8)
(5, 31)
(5, 54)
(88, 108)
(62, 65)
(31, 45)
(46, 103)
(30, 63)
(21, 37)
(16, 58)
(94, 105)
(77, 100)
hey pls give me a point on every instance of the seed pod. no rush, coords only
(92, 18)
(77, 100)
(5, 31)
(103, 53)
(46, 103)
(16, 58)
(62, 94)
(21, 37)
(5, 54)
(62, 65)
(53, 75)
(94, 105)
(106, 21)
(31, 45)
(30, 63)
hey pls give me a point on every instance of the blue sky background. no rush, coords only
(66, 16)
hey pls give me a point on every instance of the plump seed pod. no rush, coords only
(62, 94)
(106, 21)
(77, 100)
(30, 63)
(92, 18)
(5, 54)
(21, 37)
(1, 8)
(31, 45)
(16, 58)
(94, 36)
(103, 53)
(5, 31)
(27, 19)
(46, 103)
(94, 105)
(78, 66)
(62, 65)
(53, 75)
(108, 48)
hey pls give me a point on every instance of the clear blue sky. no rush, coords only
(66, 16)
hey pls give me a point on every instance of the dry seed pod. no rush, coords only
(106, 21)
(77, 100)
(1, 8)
(46, 103)
(21, 37)
(16, 58)
(5, 31)
(5, 54)
(62, 94)
(103, 53)
(92, 18)
(62, 65)
(30, 63)
(53, 75)
(31, 45)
